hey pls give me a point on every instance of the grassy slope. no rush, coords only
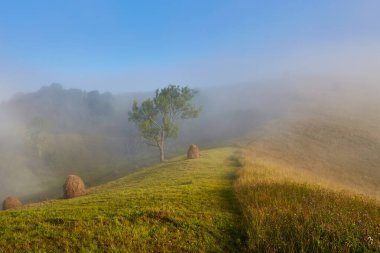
(344, 153)
(298, 183)
(182, 205)
(285, 211)
(197, 206)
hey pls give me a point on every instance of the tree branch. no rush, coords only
(150, 143)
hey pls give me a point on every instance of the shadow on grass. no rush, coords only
(236, 237)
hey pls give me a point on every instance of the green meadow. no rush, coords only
(227, 201)
(178, 206)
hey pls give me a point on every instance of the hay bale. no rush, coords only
(193, 152)
(11, 202)
(73, 187)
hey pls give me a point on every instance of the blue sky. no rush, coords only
(125, 46)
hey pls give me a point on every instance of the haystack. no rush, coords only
(73, 187)
(11, 202)
(193, 152)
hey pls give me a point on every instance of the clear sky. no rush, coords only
(124, 45)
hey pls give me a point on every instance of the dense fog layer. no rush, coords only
(50, 133)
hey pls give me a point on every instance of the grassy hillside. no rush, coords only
(342, 152)
(284, 212)
(181, 205)
(299, 184)
(223, 202)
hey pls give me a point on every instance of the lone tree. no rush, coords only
(157, 118)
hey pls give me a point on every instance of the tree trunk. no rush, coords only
(162, 152)
(161, 145)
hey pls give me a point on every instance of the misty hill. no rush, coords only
(344, 152)
(301, 141)
(55, 131)
(332, 131)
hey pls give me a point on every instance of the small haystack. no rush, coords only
(11, 202)
(73, 187)
(193, 152)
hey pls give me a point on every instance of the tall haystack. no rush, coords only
(73, 187)
(193, 152)
(11, 202)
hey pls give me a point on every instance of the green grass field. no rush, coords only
(179, 206)
(227, 201)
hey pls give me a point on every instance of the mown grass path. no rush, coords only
(179, 206)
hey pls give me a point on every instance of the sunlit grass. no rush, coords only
(224, 202)
(179, 206)
(341, 152)
(284, 212)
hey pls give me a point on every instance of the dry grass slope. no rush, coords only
(284, 212)
(343, 153)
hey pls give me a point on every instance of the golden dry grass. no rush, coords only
(285, 211)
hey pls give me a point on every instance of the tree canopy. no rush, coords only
(157, 118)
